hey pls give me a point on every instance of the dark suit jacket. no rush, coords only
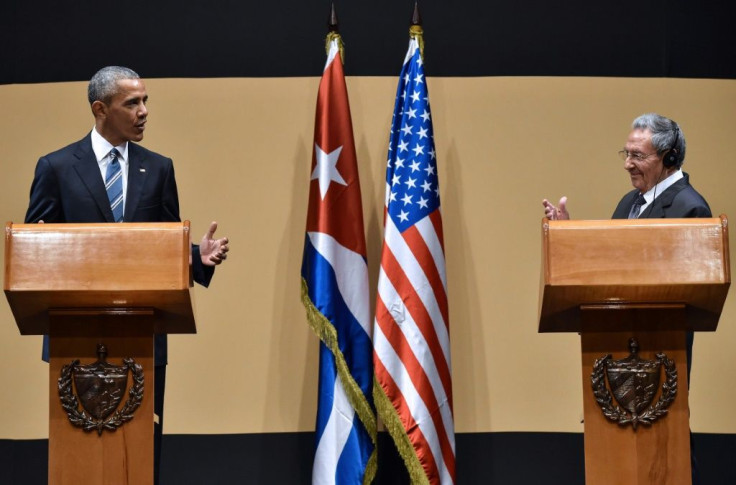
(68, 187)
(680, 200)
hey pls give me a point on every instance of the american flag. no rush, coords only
(335, 292)
(411, 330)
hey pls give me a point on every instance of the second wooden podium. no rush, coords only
(653, 281)
(87, 285)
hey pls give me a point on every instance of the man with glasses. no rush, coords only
(653, 156)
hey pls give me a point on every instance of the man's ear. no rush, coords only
(99, 109)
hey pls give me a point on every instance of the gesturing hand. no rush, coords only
(213, 251)
(558, 213)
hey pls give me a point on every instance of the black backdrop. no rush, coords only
(68, 40)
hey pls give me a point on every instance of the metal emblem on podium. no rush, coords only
(634, 383)
(100, 388)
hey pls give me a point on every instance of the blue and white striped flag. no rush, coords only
(335, 291)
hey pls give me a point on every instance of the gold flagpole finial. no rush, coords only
(415, 28)
(333, 33)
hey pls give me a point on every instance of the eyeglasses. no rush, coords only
(639, 157)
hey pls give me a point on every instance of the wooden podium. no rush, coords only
(652, 279)
(86, 284)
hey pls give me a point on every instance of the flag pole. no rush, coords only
(335, 287)
(411, 341)
(415, 28)
(333, 33)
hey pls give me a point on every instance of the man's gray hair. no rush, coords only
(666, 134)
(104, 84)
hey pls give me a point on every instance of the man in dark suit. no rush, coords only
(105, 177)
(653, 156)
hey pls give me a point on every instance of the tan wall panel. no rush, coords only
(242, 149)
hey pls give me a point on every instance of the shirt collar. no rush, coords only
(102, 147)
(662, 186)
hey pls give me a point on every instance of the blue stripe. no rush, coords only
(349, 470)
(325, 389)
(358, 448)
(353, 342)
(356, 347)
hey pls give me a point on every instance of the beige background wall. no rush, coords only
(242, 149)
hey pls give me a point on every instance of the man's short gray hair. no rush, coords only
(666, 134)
(104, 84)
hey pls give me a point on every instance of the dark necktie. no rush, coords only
(114, 186)
(636, 208)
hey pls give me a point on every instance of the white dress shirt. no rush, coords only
(650, 195)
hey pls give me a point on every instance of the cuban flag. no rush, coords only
(335, 291)
(411, 328)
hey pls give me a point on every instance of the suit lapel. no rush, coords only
(624, 207)
(136, 180)
(656, 210)
(89, 172)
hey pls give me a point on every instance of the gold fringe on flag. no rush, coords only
(327, 334)
(335, 36)
(396, 429)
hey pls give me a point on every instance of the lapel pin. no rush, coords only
(142, 170)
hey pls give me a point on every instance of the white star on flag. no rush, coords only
(412, 349)
(335, 291)
(326, 169)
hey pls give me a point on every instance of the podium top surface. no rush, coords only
(102, 266)
(616, 263)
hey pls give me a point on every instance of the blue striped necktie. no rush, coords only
(114, 186)
(636, 208)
